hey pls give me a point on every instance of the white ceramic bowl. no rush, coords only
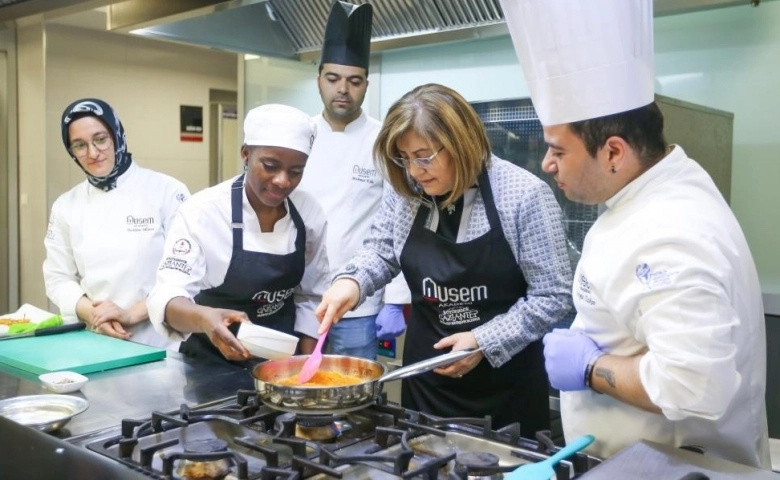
(265, 342)
(63, 382)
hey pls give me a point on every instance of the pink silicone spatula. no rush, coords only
(313, 362)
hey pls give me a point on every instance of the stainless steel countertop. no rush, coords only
(134, 392)
(651, 461)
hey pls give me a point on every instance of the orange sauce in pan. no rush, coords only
(323, 378)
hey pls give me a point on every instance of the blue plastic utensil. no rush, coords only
(312, 363)
(545, 469)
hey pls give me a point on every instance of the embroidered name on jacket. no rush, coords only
(454, 302)
(584, 290)
(365, 175)
(139, 224)
(273, 301)
(50, 230)
(173, 263)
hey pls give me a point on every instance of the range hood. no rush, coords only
(293, 29)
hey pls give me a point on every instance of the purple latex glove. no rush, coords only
(567, 354)
(390, 322)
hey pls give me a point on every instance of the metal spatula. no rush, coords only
(313, 362)
(545, 469)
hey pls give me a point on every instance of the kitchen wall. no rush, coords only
(146, 81)
(484, 69)
(271, 80)
(9, 256)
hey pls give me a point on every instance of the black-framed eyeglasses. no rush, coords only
(422, 162)
(80, 149)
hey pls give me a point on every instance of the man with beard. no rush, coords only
(341, 175)
(669, 342)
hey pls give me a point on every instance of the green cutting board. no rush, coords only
(82, 352)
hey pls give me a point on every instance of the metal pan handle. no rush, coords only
(426, 365)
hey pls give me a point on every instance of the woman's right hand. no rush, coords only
(340, 298)
(214, 323)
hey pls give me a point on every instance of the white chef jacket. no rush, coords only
(341, 174)
(199, 247)
(667, 269)
(107, 245)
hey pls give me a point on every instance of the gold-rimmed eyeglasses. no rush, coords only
(422, 162)
(80, 149)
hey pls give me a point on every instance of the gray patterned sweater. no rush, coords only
(531, 221)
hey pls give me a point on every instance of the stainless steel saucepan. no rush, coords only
(327, 400)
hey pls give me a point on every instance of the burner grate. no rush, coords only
(381, 442)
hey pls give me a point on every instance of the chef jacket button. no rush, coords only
(350, 268)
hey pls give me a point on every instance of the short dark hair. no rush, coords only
(319, 70)
(642, 128)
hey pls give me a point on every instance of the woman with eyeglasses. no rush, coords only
(480, 242)
(105, 236)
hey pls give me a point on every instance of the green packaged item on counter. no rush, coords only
(18, 328)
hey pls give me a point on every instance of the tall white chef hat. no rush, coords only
(583, 59)
(276, 125)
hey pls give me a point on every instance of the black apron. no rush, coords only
(456, 287)
(258, 284)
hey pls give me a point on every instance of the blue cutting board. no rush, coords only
(82, 352)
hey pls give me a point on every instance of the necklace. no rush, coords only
(449, 208)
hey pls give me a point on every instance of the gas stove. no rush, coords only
(240, 438)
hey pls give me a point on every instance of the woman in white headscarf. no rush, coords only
(106, 234)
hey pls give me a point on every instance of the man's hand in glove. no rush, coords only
(567, 354)
(390, 322)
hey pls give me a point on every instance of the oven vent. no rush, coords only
(293, 29)
(304, 20)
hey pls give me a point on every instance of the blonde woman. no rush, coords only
(481, 244)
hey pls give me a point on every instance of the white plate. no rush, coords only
(63, 382)
(265, 342)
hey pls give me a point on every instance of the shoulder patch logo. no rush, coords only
(182, 247)
(654, 279)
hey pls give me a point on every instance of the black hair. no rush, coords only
(319, 70)
(642, 128)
